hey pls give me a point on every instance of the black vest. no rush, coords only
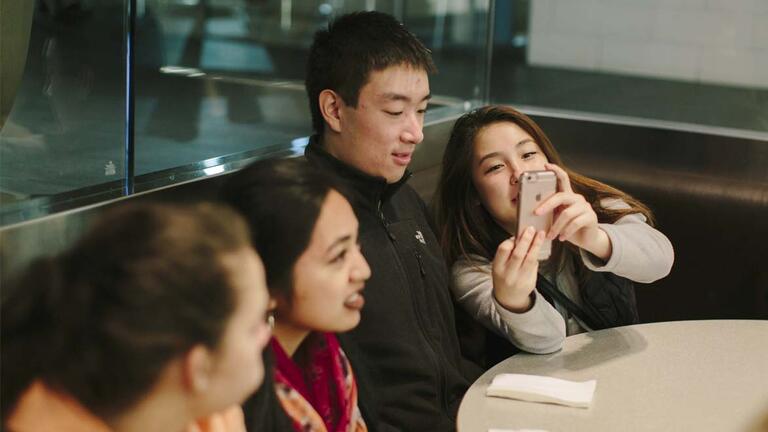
(608, 301)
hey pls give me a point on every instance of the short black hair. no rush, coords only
(354, 45)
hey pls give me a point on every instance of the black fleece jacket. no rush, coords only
(407, 341)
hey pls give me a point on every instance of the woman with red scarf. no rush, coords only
(307, 233)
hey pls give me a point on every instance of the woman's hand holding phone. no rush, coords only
(514, 270)
(574, 219)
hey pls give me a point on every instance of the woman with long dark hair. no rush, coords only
(307, 233)
(153, 319)
(603, 239)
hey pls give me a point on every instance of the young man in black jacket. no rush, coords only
(368, 87)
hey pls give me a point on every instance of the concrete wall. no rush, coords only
(708, 41)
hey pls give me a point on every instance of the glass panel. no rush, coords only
(62, 105)
(223, 77)
(456, 32)
(699, 62)
(217, 82)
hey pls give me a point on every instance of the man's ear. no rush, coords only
(330, 107)
(198, 364)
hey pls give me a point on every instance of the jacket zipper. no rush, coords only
(421, 264)
(442, 378)
(384, 222)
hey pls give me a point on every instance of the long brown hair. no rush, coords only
(465, 227)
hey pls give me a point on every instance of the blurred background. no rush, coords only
(104, 100)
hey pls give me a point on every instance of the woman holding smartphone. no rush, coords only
(153, 321)
(307, 233)
(602, 238)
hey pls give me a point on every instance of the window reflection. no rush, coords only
(218, 78)
(64, 129)
(213, 79)
(233, 71)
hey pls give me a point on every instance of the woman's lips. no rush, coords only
(355, 301)
(402, 159)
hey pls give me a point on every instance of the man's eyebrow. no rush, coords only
(402, 97)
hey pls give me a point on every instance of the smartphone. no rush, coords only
(535, 188)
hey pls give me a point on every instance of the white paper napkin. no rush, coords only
(535, 388)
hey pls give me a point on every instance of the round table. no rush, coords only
(670, 376)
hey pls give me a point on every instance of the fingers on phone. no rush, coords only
(532, 259)
(522, 246)
(551, 203)
(528, 246)
(570, 220)
(503, 252)
(561, 222)
(576, 224)
(513, 256)
(564, 182)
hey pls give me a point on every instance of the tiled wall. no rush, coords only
(713, 41)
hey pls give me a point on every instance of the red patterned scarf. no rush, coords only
(317, 388)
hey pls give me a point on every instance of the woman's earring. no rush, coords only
(271, 307)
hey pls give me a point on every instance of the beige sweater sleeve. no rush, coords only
(639, 252)
(540, 330)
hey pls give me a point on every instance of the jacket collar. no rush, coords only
(373, 190)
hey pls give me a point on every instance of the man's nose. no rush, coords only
(414, 129)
